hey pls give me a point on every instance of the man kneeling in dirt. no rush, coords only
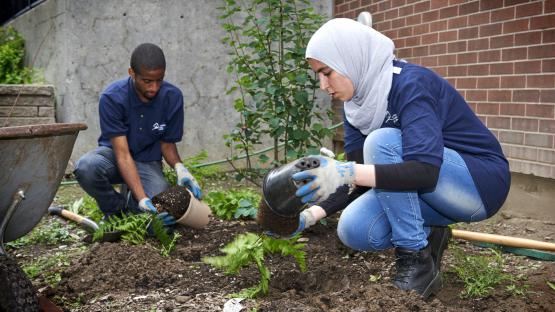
(141, 119)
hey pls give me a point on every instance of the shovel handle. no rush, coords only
(66, 214)
(503, 240)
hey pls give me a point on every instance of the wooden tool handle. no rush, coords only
(503, 240)
(71, 216)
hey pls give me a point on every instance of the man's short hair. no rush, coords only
(147, 56)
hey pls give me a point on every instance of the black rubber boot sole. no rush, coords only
(434, 287)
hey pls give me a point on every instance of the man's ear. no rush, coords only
(131, 72)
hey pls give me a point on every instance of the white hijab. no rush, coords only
(363, 55)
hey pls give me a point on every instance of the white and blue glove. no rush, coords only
(185, 178)
(146, 205)
(306, 220)
(321, 182)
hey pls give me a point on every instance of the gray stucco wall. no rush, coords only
(87, 44)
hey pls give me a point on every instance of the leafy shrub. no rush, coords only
(87, 206)
(12, 53)
(192, 163)
(250, 248)
(239, 203)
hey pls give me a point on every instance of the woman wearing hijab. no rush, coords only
(428, 160)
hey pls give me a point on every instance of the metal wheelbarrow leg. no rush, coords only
(17, 198)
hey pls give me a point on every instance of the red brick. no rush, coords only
(525, 124)
(420, 51)
(466, 58)
(547, 96)
(469, 8)
(526, 96)
(503, 14)
(430, 16)
(468, 33)
(487, 108)
(429, 61)
(478, 70)
(529, 9)
(448, 12)
(528, 38)
(405, 32)
(421, 29)
(457, 22)
(391, 14)
(450, 35)
(447, 59)
(454, 47)
(404, 53)
(488, 82)
(512, 109)
(542, 22)
(539, 140)
(513, 82)
(430, 38)
(513, 2)
(438, 26)
(436, 4)
(414, 19)
(457, 71)
(491, 30)
(540, 81)
(501, 69)
(511, 137)
(543, 51)
(547, 126)
(453, 2)
(478, 44)
(391, 34)
(489, 56)
(384, 6)
(466, 83)
(398, 3)
(412, 41)
(478, 19)
(406, 10)
(498, 122)
(422, 7)
(528, 67)
(438, 49)
(540, 110)
(514, 54)
(515, 26)
(398, 22)
(382, 26)
(476, 95)
(548, 66)
(548, 36)
(549, 6)
(490, 4)
(502, 41)
(442, 71)
(499, 95)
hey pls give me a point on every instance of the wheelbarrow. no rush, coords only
(33, 162)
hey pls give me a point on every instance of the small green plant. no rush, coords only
(551, 285)
(250, 248)
(12, 52)
(49, 232)
(86, 206)
(482, 273)
(43, 266)
(192, 163)
(133, 228)
(235, 203)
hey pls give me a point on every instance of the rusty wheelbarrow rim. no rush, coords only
(32, 131)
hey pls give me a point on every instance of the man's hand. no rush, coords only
(324, 180)
(185, 178)
(166, 218)
(146, 205)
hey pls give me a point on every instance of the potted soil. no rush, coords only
(183, 206)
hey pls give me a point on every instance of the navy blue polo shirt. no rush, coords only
(144, 124)
(431, 115)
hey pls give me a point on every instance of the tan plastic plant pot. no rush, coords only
(197, 214)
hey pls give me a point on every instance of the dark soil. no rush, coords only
(270, 221)
(119, 277)
(175, 201)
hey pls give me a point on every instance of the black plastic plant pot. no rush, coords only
(279, 189)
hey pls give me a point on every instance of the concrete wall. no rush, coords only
(83, 45)
(26, 105)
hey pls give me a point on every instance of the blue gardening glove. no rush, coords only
(321, 182)
(185, 178)
(306, 220)
(146, 205)
(166, 218)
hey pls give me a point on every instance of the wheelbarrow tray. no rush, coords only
(33, 162)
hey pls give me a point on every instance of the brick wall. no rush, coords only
(35, 105)
(499, 54)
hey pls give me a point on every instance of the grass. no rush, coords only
(49, 232)
(50, 267)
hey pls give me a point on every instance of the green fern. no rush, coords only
(166, 240)
(250, 248)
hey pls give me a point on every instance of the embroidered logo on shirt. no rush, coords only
(159, 127)
(391, 118)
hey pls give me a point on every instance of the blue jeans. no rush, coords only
(97, 170)
(380, 219)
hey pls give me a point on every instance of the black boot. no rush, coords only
(416, 271)
(438, 240)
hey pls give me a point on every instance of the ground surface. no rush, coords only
(120, 277)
